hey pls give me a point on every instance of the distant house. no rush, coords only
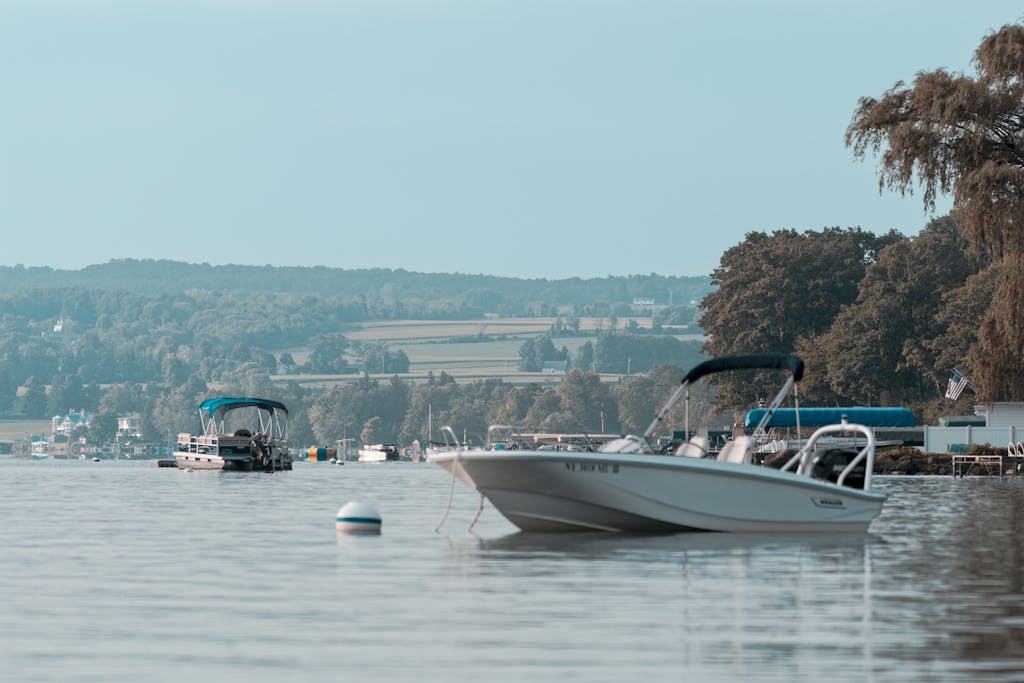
(129, 427)
(65, 425)
(643, 301)
(61, 443)
(555, 367)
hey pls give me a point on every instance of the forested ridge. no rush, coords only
(397, 293)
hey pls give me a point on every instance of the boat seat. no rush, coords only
(697, 447)
(736, 450)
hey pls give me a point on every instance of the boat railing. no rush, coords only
(455, 444)
(213, 444)
(804, 461)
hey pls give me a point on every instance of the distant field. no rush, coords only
(429, 346)
(395, 330)
(15, 430)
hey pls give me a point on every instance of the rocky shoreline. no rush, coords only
(908, 460)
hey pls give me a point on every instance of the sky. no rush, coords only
(527, 138)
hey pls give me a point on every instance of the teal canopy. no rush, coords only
(817, 417)
(219, 406)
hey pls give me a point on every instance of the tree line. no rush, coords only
(368, 294)
(371, 410)
(878, 320)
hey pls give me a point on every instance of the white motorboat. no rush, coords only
(244, 450)
(381, 452)
(627, 486)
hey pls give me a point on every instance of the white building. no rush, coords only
(1004, 424)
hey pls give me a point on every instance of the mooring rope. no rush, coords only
(451, 495)
(479, 509)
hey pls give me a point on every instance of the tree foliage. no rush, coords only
(533, 353)
(774, 288)
(877, 349)
(954, 133)
(622, 352)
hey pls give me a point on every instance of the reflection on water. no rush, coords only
(641, 546)
(119, 572)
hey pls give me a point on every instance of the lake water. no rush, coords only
(115, 571)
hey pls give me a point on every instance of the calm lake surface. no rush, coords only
(115, 571)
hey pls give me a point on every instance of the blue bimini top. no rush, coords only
(218, 406)
(817, 417)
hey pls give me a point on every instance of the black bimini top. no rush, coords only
(753, 361)
(219, 406)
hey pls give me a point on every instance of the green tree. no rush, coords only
(634, 353)
(102, 428)
(376, 358)
(876, 347)
(327, 354)
(175, 410)
(585, 357)
(958, 318)
(66, 394)
(543, 414)
(344, 409)
(514, 406)
(639, 397)
(533, 353)
(584, 401)
(950, 132)
(429, 410)
(773, 289)
(34, 403)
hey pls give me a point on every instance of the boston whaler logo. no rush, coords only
(824, 502)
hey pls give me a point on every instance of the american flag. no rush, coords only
(955, 387)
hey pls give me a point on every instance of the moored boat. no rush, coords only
(381, 452)
(627, 485)
(241, 449)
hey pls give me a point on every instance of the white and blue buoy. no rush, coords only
(358, 518)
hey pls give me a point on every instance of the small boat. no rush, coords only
(260, 447)
(628, 485)
(381, 452)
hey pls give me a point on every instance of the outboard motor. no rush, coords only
(260, 450)
(829, 463)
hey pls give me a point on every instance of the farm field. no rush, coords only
(15, 430)
(450, 346)
(425, 330)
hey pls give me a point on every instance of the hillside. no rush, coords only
(478, 292)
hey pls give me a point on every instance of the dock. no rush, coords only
(965, 465)
(163, 463)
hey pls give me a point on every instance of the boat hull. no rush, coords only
(215, 462)
(566, 491)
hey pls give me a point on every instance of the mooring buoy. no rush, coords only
(358, 518)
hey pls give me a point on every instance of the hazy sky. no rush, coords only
(530, 138)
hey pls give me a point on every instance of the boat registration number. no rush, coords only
(829, 502)
(606, 467)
